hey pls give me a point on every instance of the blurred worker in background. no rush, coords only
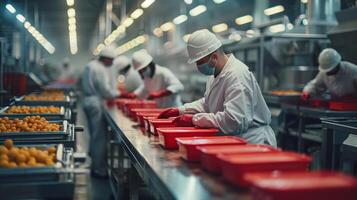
(336, 76)
(232, 102)
(96, 88)
(67, 72)
(125, 77)
(160, 84)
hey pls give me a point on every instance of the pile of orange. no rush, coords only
(33, 110)
(46, 96)
(27, 124)
(12, 156)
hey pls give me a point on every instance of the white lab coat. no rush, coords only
(132, 78)
(344, 83)
(96, 87)
(163, 79)
(234, 103)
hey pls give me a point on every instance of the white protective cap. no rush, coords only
(141, 59)
(328, 60)
(121, 62)
(108, 52)
(200, 44)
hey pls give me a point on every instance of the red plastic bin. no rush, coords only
(138, 104)
(343, 105)
(133, 112)
(188, 146)
(303, 185)
(146, 123)
(159, 123)
(167, 136)
(235, 166)
(318, 103)
(211, 163)
(140, 117)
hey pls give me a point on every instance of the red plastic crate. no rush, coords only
(146, 123)
(167, 136)
(303, 185)
(188, 146)
(159, 123)
(318, 103)
(138, 104)
(211, 163)
(343, 105)
(140, 117)
(135, 111)
(235, 166)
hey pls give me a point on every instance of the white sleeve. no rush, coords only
(316, 85)
(193, 107)
(103, 85)
(141, 92)
(173, 84)
(236, 116)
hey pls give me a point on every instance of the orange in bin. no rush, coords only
(302, 185)
(236, 166)
(168, 135)
(209, 154)
(188, 145)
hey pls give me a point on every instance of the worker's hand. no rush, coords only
(183, 120)
(305, 96)
(170, 112)
(128, 95)
(159, 94)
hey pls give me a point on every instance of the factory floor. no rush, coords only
(87, 187)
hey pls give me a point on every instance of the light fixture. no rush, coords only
(219, 27)
(188, 2)
(180, 19)
(147, 3)
(235, 36)
(71, 20)
(185, 37)
(10, 8)
(71, 12)
(304, 1)
(274, 10)
(21, 18)
(70, 2)
(131, 44)
(250, 33)
(167, 26)
(121, 28)
(137, 13)
(277, 28)
(198, 10)
(72, 27)
(290, 26)
(218, 1)
(27, 25)
(128, 21)
(244, 19)
(157, 32)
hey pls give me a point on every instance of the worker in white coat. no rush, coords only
(132, 79)
(96, 88)
(232, 101)
(160, 84)
(335, 76)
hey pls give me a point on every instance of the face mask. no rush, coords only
(206, 68)
(147, 73)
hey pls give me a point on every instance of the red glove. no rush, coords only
(128, 95)
(305, 96)
(183, 121)
(159, 94)
(170, 112)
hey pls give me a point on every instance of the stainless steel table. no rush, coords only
(164, 171)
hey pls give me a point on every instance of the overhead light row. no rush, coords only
(72, 27)
(274, 10)
(131, 44)
(127, 22)
(32, 30)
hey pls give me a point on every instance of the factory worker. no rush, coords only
(336, 76)
(96, 89)
(122, 68)
(232, 101)
(160, 84)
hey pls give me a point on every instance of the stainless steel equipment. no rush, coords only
(296, 77)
